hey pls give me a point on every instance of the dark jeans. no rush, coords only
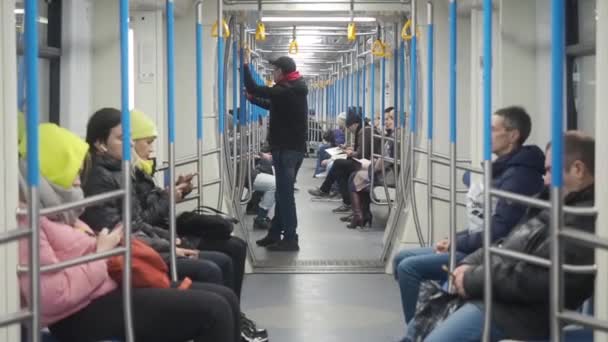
(207, 312)
(209, 267)
(340, 173)
(236, 249)
(286, 166)
(321, 156)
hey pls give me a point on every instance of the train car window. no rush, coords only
(49, 31)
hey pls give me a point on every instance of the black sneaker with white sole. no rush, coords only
(250, 332)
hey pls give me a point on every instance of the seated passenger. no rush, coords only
(521, 290)
(343, 168)
(154, 204)
(333, 137)
(264, 182)
(83, 303)
(360, 182)
(517, 169)
(155, 208)
(104, 135)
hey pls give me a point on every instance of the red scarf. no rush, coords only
(292, 76)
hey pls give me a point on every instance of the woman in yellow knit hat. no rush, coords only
(155, 210)
(83, 303)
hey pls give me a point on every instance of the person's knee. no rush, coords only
(409, 267)
(210, 272)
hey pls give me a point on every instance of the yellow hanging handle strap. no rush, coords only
(379, 48)
(405, 35)
(293, 47)
(351, 32)
(260, 32)
(226, 29)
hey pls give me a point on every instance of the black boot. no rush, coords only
(357, 218)
(367, 213)
(261, 221)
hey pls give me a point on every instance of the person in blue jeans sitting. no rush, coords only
(521, 291)
(517, 169)
(332, 138)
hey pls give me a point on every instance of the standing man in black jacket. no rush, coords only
(287, 102)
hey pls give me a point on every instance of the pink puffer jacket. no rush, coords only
(68, 291)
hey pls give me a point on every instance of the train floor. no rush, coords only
(323, 238)
(325, 307)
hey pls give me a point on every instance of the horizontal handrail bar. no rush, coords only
(538, 203)
(380, 136)
(15, 317)
(471, 169)
(14, 234)
(582, 211)
(581, 269)
(530, 201)
(76, 261)
(78, 204)
(440, 155)
(195, 196)
(388, 159)
(584, 237)
(439, 198)
(187, 160)
(587, 321)
(440, 186)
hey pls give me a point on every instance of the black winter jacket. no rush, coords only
(288, 105)
(521, 290)
(154, 201)
(106, 175)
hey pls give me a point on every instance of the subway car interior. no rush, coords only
(303, 170)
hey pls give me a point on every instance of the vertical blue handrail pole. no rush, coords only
(453, 123)
(557, 130)
(396, 77)
(171, 124)
(358, 93)
(199, 98)
(487, 164)
(430, 122)
(235, 120)
(220, 107)
(352, 80)
(33, 159)
(364, 86)
(372, 99)
(126, 166)
(414, 114)
(383, 90)
(402, 83)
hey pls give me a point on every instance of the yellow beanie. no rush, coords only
(61, 154)
(142, 126)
